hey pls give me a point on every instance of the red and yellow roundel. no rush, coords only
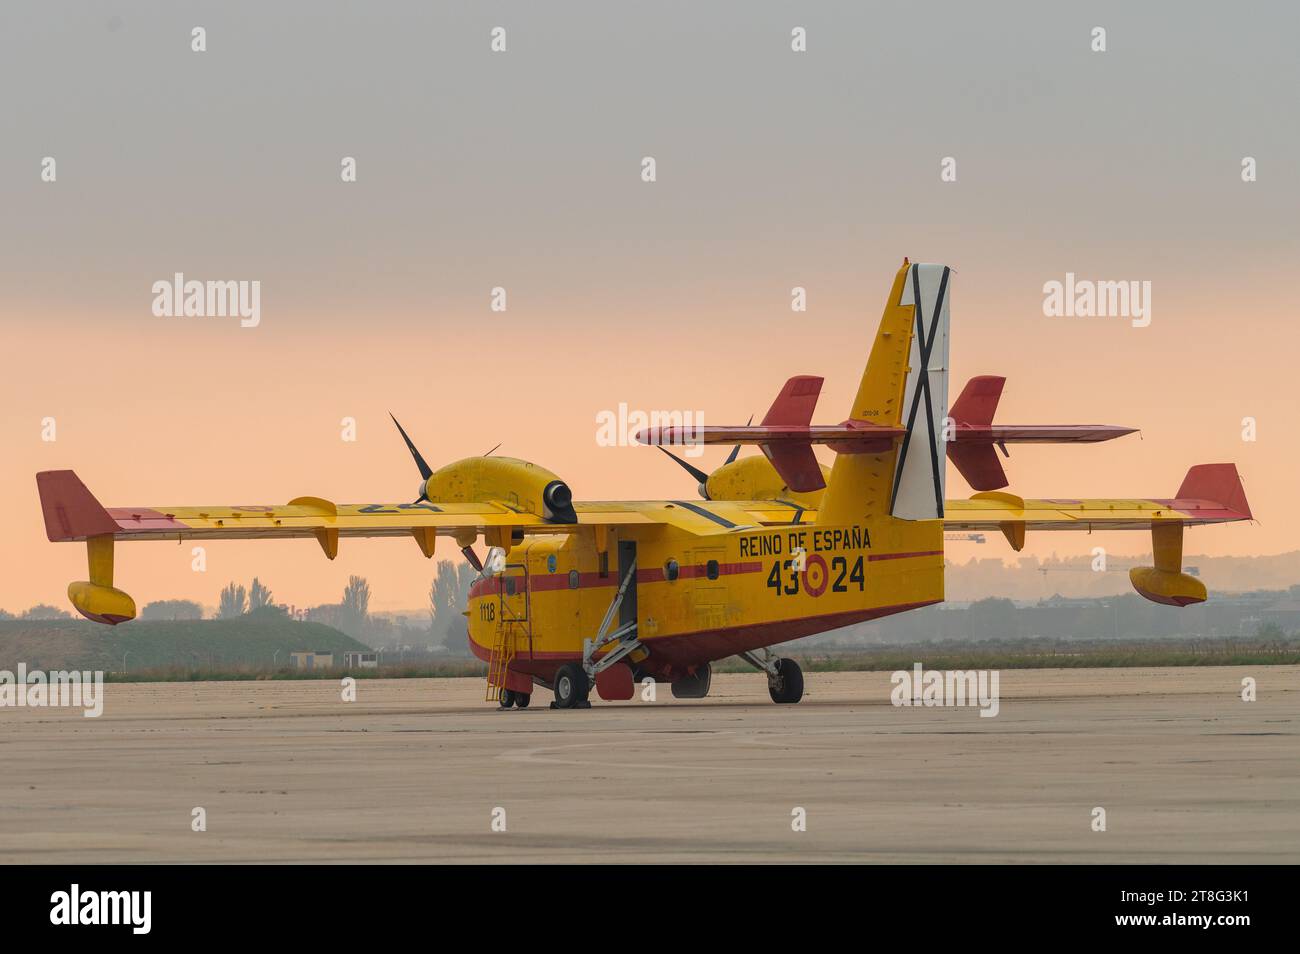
(815, 576)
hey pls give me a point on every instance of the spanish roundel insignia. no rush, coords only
(814, 576)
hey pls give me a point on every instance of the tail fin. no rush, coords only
(793, 407)
(978, 463)
(795, 404)
(905, 384)
(978, 401)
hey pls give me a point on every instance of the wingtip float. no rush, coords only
(581, 595)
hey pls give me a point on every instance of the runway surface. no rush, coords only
(416, 770)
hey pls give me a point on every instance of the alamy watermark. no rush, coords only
(1085, 298)
(179, 298)
(618, 428)
(954, 687)
(59, 689)
(75, 906)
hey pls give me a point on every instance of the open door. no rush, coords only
(627, 612)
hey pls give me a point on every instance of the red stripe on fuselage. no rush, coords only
(682, 652)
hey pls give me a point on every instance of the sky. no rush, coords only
(523, 170)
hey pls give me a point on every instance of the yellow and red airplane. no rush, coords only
(575, 595)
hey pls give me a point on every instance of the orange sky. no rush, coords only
(211, 413)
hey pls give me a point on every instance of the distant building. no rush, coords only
(360, 660)
(309, 660)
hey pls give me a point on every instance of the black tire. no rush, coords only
(571, 686)
(696, 685)
(506, 698)
(522, 699)
(788, 687)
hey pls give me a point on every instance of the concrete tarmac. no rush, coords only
(416, 770)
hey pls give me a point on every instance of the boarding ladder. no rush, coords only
(514, 628)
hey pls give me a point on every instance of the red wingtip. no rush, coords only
(71, 511)
(1217, 483)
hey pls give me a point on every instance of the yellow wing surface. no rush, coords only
(1211, 493)
(73, 514)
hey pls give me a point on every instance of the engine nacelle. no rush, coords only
(754, 478)
(517, 483)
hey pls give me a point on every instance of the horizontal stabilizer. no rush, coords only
(851, 435)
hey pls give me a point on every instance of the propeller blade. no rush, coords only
(472, 557)
(735, 451)
(699, 475)
(425, 470)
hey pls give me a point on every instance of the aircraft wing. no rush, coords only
(1210, 493)
(989, 511)
(72, 513)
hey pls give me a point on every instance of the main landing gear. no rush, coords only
(784, 677)
(571, 687)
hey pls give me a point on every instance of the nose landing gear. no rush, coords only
(510, 697)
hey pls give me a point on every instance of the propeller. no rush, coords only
(736, 450)
(701, 478)
(425, 470)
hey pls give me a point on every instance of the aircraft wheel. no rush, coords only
(694, 686)
(787, 688)
(506, 698)
(522, 699)
(571, 687)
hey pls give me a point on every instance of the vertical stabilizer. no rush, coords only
(905, 384)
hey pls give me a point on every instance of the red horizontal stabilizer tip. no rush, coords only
(797, 466)
(796, 402)
(1218, 484)
(978, 401)
(979, 465)
(71, 511)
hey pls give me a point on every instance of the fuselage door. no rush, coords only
(709, 587)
